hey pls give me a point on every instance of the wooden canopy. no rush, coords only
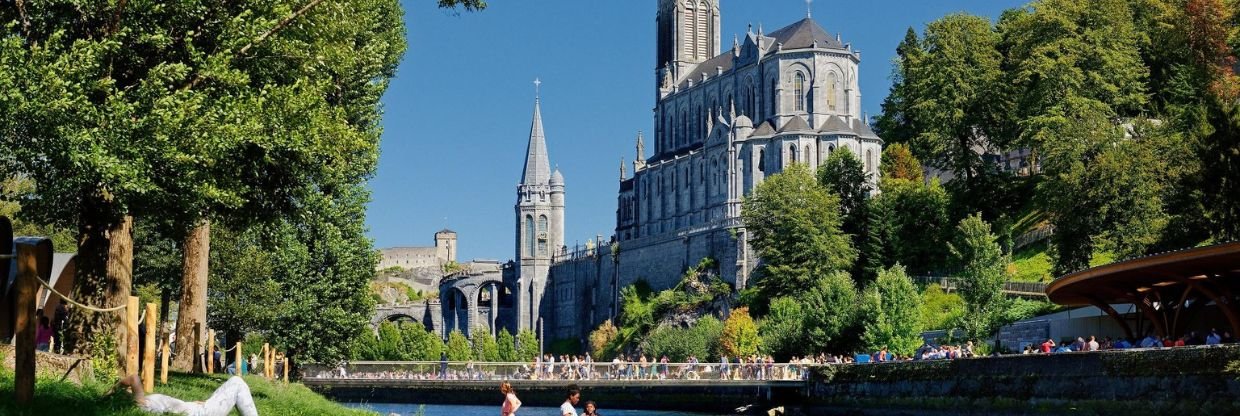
(1162, 286)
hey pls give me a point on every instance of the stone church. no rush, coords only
(724, 119)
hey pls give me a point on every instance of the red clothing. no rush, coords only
(1179, 342)
(43, 335)
(1167, 343)
(1046, 347)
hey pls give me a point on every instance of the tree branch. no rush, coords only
(21, 11)
(274, 29)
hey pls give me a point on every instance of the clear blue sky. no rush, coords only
(458, 113)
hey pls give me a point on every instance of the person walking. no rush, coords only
(567, 408)
(511, 402)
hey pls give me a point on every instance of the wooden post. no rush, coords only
(33, 260)
(286, 369)
(131, 337)
(210, 351)
(148, 353)
(240, 356)
(163, 369)
(266, 360)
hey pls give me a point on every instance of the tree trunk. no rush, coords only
(103, 277)
(193, 306)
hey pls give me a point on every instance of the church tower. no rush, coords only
(540, 224)
(688, 34)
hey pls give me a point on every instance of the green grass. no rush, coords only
(1034, 264)
(54, 398)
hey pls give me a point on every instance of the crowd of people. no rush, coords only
(1214, 337)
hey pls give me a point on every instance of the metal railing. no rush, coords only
(622, 372)
(1010, 287)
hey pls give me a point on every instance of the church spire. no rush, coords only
(537, 165)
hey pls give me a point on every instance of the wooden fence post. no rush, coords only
(286, 368)
(131, 337)
(210, 351)
(148, 353)
(33, 260)
(263, 354)
(240, 356)
(163, 370)
(270, 360)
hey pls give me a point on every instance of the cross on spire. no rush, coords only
(537, 84)
(809, 9)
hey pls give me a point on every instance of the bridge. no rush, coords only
(1010, 288)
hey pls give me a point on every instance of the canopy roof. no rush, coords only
(1128, 280)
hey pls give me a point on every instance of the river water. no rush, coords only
(452, 410)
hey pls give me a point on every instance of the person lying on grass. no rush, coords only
(233, 393)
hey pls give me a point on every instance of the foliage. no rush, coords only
(243, 296)
(702, 340)
(830, 313)
(635, 309)
(939, 309)
(740, 335)
(782, 329)
(601, 338)
(844, 175)
(982, 274)
(458, 347)
(486, 348)
(15, 188)
(912, 220)
(527, 345)
(795, 228)
(896, 124)
(507, 346)
(452, 267)
(891, 308)
(898, 162)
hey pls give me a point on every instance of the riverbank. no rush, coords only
(57, 398)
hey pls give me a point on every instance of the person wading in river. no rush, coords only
(511, 402)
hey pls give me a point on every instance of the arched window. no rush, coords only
(869, 160)
(798, 91)
(703, 14)
(752, 97)
(542, 235)
(689, 29)
(774, 97)
(805, 155)
(529, 235)
(832, 91)
(761, 160)
(792, 155)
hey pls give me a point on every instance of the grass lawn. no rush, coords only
(1034, 264)
(55, 398)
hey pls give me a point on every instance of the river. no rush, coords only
(455, 410)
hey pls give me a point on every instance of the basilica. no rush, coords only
(724, 119)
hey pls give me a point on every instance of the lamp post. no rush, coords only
(540, 337)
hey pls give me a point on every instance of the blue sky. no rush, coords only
(457, 116)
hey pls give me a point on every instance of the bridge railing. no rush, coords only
(555, 372)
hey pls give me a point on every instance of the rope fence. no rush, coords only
(76, 303)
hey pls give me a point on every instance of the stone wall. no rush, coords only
(1172, 375)
(584, 287)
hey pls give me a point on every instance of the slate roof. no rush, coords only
(795, 124)
(803, 34)
(863, 130)
(835, 125)
(537, 166)
(766, 129)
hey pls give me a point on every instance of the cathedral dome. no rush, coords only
(742, 122)
(557, 178)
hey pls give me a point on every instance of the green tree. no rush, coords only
(365, 348)
(896, 124)
(939, 309)
(678, 344)
(485, 346)
(419, 344)
(795, 228)
(243, 298)
(391, 343)
(507, 346)
(912, 221)
(782, 329)
(983, 272)
(740, 334)
(601, 339)
(844, 175)
(527, 345)
(458, 347)
(891, 313)
(830, 313)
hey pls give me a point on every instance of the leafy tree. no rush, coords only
(365, 348)
(243, 297)
(913, 220)
(795, 228)
(415, 341)
(740, 334)
(939, 309)
(507, 346)
(982, 275)
(432, 347)
(700, 340)
(485, 346)
(601, 339)
(830, 313)
(782, 329)
(955, 94)
(527, 345)
(898, 163)
(458, 347)
(896, 124)
(391, 343)
(844, 175)
(891, 313)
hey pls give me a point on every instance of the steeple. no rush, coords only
(639, 162)
(537, 166)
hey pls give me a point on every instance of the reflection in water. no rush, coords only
(451, 410)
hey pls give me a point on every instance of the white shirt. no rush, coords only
(158, 403)
(567, 409)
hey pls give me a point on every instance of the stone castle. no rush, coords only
(724, 120)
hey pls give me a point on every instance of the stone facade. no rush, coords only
(409, 258)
